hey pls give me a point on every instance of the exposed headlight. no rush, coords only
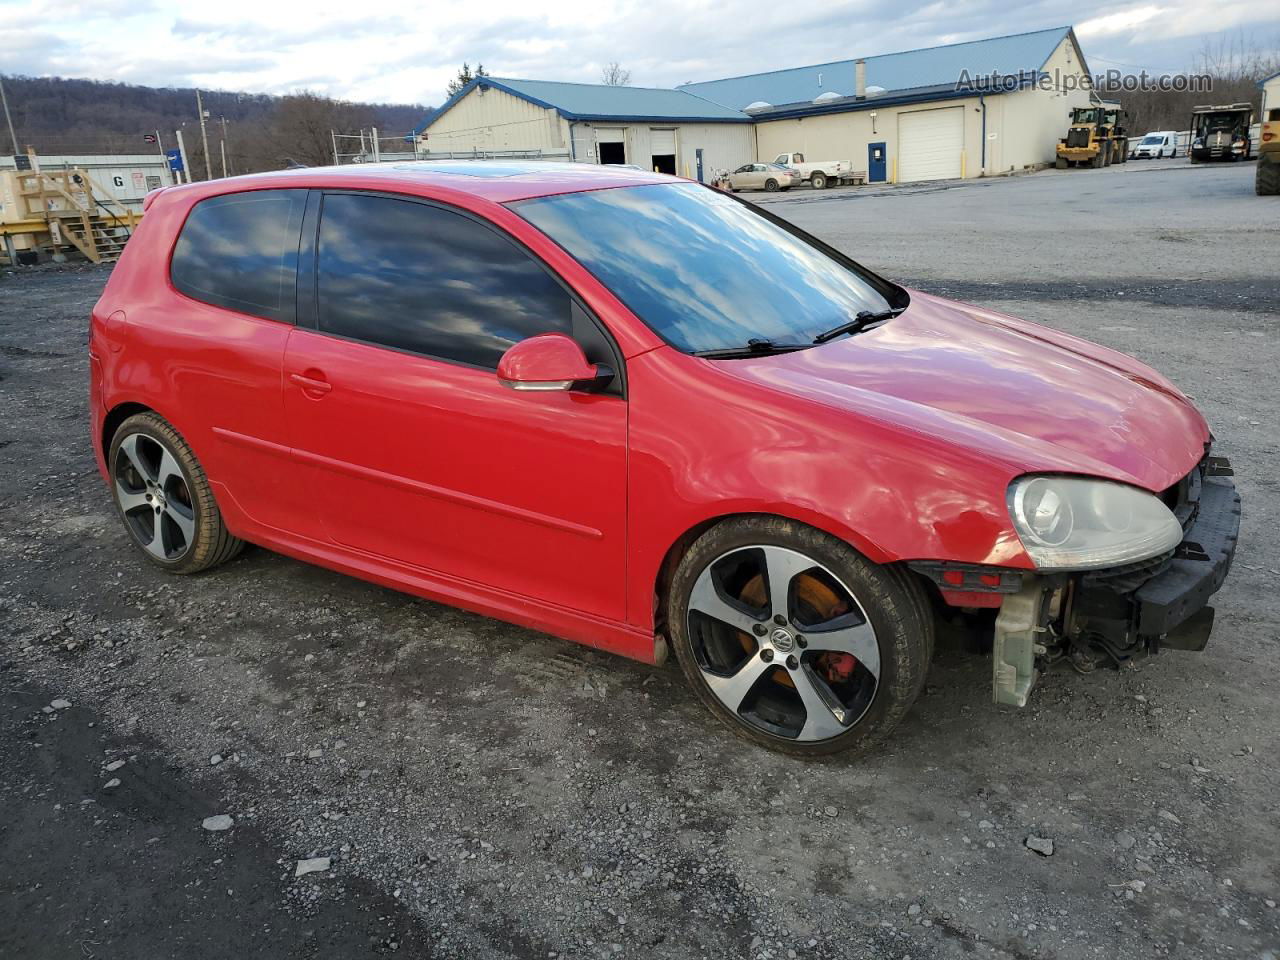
(1073, 523)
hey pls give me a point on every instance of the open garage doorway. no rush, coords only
(662, 150)
(611, 146)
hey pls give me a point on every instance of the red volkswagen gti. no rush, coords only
(642, 414)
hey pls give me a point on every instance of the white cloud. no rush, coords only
(1124, 22)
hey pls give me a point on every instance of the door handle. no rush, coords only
(313, 386)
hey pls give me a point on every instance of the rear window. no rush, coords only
(240, 251)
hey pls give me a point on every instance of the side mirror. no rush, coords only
(548, 361)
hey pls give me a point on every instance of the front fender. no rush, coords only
(705, 445)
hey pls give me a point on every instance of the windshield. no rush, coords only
(1220, 121)
(1153, 139)
(703, 270)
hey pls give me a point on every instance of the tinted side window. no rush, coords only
(419, 278)
(240, 251)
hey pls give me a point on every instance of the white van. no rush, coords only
(1159, 143)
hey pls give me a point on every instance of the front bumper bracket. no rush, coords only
(1019, 639)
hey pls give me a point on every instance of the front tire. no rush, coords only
(794, 640)
(164, 498)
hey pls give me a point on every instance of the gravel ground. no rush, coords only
(484, 791)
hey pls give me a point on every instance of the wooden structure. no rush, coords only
(60, 209)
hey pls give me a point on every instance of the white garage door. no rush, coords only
(662, 142)
(929, 144)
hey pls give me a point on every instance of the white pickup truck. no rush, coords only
(821, 173)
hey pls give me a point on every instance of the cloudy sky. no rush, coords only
(402, 51)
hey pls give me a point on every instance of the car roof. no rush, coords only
(500, 181)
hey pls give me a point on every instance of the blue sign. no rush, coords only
(175, 160)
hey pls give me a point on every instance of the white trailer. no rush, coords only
(126, 178)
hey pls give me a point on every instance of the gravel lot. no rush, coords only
(484, 791)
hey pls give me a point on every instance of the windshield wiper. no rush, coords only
(864, 319)
(755, 347)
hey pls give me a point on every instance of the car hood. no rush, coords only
(1016, 392)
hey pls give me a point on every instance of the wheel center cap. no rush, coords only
(782, 640)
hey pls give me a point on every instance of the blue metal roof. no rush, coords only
(597, 101)
(929, 67)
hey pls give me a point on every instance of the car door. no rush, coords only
(411, 448)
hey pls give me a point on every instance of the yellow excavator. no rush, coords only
(1096, 138)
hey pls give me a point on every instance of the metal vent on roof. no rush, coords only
(874, 91)
(829, 95)
(756, 106)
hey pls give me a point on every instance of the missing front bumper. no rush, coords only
(1114, 616)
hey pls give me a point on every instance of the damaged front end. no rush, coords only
(1109, 616)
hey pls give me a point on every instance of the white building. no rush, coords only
(963, 110)
(1270, 98)
(666, 130)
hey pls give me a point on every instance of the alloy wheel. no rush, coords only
(782, 643)
(153, 497)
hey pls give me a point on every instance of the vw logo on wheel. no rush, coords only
(782, 640)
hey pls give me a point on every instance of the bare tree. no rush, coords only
(299, 130)
(1233, 63)
(614, 76)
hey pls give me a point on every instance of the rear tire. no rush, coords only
(818, 181)
(771, 185)
(836, 673)
(164, 499)
(1266, 179)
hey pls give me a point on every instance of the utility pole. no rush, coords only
(160, 148)
(224, 147)
(204, 136)
(377, 152)
(334, 137)
(182, 152)
(8, 119)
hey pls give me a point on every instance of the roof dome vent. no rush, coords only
(874, 91)
(756, 107)
(825, 97)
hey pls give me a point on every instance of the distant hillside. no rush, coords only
(58, 115)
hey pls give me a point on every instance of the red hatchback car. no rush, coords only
(642, 414)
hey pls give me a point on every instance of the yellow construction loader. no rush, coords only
(1096, 138)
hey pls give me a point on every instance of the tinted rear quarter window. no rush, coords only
(240, 251)
(417, 277)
